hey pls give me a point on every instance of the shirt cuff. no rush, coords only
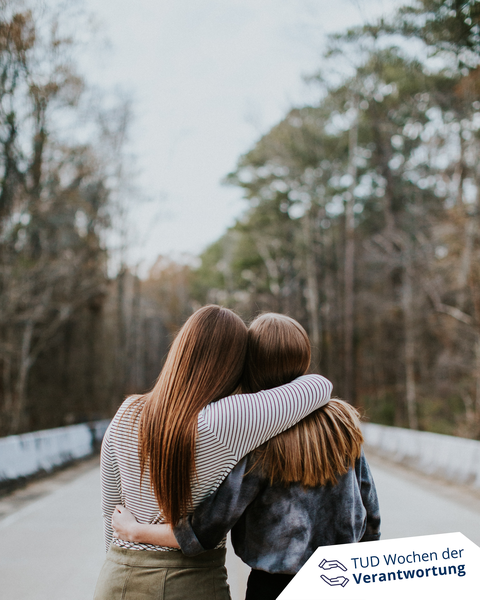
(186, 538)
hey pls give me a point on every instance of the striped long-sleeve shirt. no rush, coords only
(227, 431)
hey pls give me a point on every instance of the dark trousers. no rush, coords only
(266, 586)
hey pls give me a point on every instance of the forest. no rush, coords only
(361, 220)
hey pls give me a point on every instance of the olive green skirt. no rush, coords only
(148, 575)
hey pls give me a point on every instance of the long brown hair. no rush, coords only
(204, 364)
(323, 445)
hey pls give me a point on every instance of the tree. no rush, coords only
(362, 220)
(54, 196)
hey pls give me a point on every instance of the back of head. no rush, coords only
(278, 351)
(206, 359)
(324, 444)
(204, 364)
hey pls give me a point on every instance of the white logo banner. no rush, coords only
(430, 566)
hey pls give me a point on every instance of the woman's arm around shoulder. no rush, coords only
(245, 421)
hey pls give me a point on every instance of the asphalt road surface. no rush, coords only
(51, 545)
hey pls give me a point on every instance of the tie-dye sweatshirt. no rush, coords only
(277, 528)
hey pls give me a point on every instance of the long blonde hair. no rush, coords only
(204, 364)
(323, 445)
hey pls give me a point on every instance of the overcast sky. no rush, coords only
(207, 79)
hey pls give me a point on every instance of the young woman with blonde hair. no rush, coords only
(165, 451)
(309, 486)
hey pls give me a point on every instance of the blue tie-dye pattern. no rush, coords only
(277, 528)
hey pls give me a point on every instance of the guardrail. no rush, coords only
(452, 458)
(30, 453)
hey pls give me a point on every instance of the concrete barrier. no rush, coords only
(452, 458)
(29, 453)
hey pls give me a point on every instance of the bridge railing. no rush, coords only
(29, 453)
(452, 458)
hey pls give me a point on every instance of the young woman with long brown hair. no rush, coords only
(307, 487)
(167, 450)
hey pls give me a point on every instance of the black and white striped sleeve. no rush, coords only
(111, 488)
(244, 422)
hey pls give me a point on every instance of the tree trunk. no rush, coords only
(122, 339)
(272, 270)
(6, 385)
(18, 410)
(312, 293)
(349, 271)
(477, 373)
(137, 378)
(329, 346)
(409, 328)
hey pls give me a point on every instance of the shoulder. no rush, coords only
(125, 420)
(125, 408)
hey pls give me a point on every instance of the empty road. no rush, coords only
(51, 545)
